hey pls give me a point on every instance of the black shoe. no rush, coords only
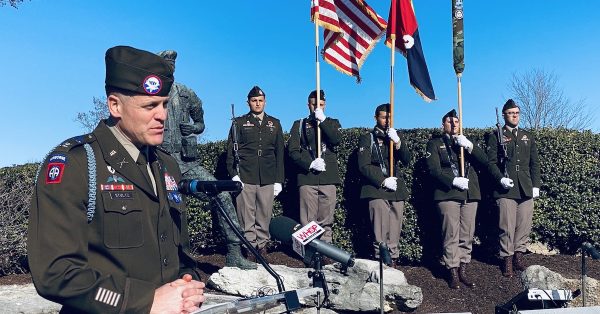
(462, 275)
(518, 261)
(507, 267)
(453, 281)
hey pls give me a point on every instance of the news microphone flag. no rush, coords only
(360, 28)
(403, 23)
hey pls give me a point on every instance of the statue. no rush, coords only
(180, 141)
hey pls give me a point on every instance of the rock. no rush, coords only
(540, 277)
(23, 299)
(358, 290)
(541, 248)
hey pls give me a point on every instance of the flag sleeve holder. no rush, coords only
(216, 203)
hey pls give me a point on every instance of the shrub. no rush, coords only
(566, 214)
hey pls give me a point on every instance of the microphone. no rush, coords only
(192, 186)
(284, 229)
(591, 250)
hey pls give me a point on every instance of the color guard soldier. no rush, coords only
(255, 158)
(108, 228)
(514, 164)
(385, 194)
(317, 175)
(456, 197)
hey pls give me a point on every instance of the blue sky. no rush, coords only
(52, 61)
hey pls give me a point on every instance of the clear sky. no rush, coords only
(52, 61)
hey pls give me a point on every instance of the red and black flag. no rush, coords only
(403, 23)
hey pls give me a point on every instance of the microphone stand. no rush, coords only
(214, 200)
(318, 277)
(384, 258)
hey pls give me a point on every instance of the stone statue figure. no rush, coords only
(185, 122)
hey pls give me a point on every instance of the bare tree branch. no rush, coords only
(90, 119)
(543, 103)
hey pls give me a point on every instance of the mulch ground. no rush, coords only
(492, 289)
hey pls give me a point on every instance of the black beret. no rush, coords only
(509, 105)
(255, 92)
(382, 107)
(138, 71)
(313, 94)
(450, 114)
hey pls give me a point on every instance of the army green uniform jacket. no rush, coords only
(523, 165)
(369, 165)
(439, 164)
(261, 150)
(302, 149)
(135, 242)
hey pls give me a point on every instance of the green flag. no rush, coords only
(458, 36)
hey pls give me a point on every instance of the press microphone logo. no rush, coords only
(304, 235)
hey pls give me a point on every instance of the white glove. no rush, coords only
(536, 192)
(507, 183)
(318, 164)
(390, 183)
(237, 178)
(277, 188)
(462, 141)
(319, 115)
(393, 135)
(461, 183)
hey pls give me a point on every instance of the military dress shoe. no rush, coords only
(453, 281)
(507, 267)
(462, 275)
(518, 261)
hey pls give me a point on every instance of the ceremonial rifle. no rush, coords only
(501, 144)
(236, 155)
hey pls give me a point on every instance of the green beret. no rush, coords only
(255, 92)
(382, 107)
(450, 114)
(313, 94)
(137, 71)
(509, 105)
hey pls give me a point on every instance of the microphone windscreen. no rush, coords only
(282, 228)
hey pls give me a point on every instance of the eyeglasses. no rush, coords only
(512, 113)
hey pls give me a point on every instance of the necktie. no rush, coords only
(142, 163)
(514, 132)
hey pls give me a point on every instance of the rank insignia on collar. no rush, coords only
(170, 182)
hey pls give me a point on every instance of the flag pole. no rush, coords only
(460, 123)
(318, 73)
(458, 55)
(391, 113)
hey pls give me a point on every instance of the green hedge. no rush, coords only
(566, 214)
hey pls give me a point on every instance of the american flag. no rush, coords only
(359, 30)
(327, 14)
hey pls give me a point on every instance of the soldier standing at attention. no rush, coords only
(180, 141)
(516, 172)
(255, 158)
(456, 197)
(108, 228)
(386, 194)
(317, 175)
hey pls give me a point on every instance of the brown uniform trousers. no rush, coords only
(516, 217)
(317, 203)
(254, 211)
(386, 217)
(458, 228)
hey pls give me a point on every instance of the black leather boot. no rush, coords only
(453, 281)
(462, 275)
